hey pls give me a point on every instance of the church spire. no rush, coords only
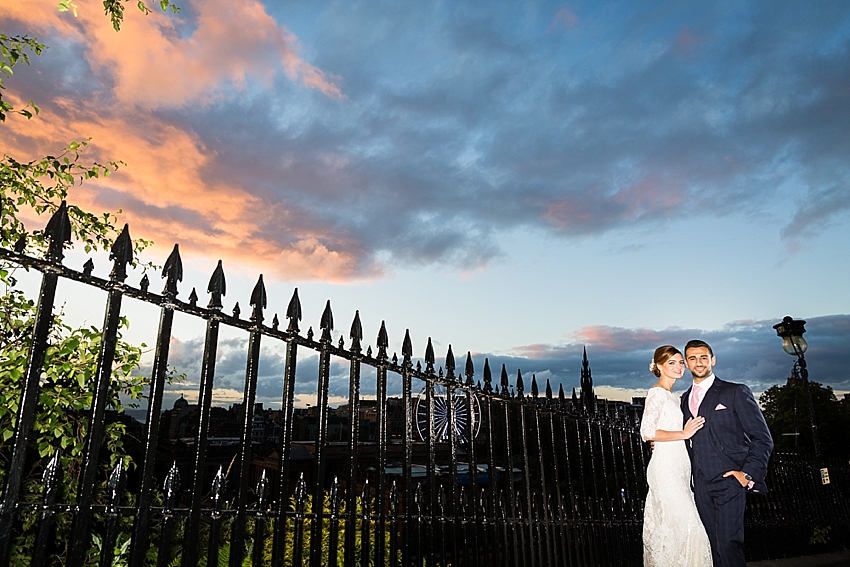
(588, 398)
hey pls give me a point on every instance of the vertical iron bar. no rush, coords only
(473, 461)
(260, 521)
(321, 435)
(353, 445)
(544, 499)
(59, 232)
(286, 431)
(333, 524)
(237, 534)
(365, 525)
(215, 518)
(451, 422)
(516, 551)
(407, 463)
(173, 272)
(523, 432)
(298, 523)
(381, 396)
(50, 480)
(117, 481)
(432, 454)
(556, 471)
(172, 486)
(121, 253)
(205, 393)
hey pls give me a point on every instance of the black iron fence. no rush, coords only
(483, 471)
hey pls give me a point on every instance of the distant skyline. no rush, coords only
(518, 180)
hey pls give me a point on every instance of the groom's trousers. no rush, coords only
(721, 502)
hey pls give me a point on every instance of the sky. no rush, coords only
(521, 180)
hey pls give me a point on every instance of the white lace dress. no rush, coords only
(673, 534)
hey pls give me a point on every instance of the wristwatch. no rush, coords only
(749, 480)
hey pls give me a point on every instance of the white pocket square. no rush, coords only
(719, 407)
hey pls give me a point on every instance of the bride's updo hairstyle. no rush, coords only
(662, 355)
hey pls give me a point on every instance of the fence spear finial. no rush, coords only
(429, 357)
(58, 229)
(258, 301)
(327, 322)
(88, 268)
(21, 243)
(470, 369)
(172, 271)
(383, 341)
(407, 347)
(534, 390)
(293, 312)
(356, 332)
(450, 364)
(122, 254)
(217, 288)
(488, 376)
(520, 387)
(504, 380)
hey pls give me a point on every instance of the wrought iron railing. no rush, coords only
(510, 477)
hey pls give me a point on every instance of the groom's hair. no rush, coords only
(696, 343)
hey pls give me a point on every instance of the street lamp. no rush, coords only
(791, 331)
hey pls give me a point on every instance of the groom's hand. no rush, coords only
(739, 476)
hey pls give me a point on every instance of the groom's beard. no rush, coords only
(701, 375)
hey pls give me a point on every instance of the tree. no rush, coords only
(66, 392)
(786, 410)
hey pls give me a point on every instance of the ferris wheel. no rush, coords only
(466, 410)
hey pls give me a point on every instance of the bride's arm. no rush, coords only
(692, 426)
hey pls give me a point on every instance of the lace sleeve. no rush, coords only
(651, 414)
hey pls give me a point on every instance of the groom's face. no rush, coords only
(699, 361)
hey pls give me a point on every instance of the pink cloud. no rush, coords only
(602, 338)
(163, 176)
(231, 43)
(685, 43)
(165, 189)
(564, 19)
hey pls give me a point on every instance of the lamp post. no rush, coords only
(791, 331)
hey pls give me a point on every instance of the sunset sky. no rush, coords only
(517, 179)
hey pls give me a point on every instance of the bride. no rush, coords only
(672, 531)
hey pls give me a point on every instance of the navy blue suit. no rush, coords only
(735, 437)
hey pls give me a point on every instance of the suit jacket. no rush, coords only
(735, 435)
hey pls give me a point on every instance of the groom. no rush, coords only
(728, 455)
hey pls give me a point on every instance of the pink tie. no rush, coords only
(695, 400)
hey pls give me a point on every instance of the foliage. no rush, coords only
(115, 9)
(786, 410)
(37, 188)
(13, 50)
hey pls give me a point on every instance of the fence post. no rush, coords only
(173, 272)
(58, 231)
(122, 254)
(237, 537)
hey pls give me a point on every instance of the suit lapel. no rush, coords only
(686, 407)
(709, 402)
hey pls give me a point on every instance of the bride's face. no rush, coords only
(673, 367)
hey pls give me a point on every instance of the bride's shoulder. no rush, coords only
(655, 391)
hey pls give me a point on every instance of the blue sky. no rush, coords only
(519, 180)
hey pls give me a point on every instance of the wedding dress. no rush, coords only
(673, 534)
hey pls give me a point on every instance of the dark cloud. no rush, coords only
(465, 125)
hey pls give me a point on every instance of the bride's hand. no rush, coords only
(692, 426)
